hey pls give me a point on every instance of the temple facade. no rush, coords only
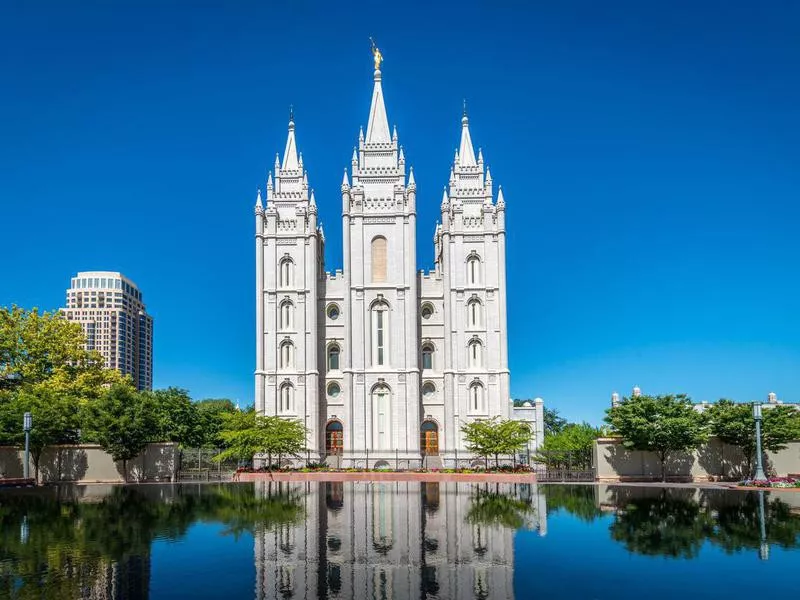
(383, 363)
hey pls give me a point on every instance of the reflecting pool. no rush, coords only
(396, 540)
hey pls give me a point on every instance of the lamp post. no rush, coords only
(759, 466)
(27, 423)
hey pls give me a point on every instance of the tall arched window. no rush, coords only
(286, 315)
(333, 357)
(474, 313)
(378, 259)
(476, 397)
(286, 398)
(286, 355)
(285, 272)
(381, 418)
(473, 270)
(427, 356)
(380, 334)
(475, 354)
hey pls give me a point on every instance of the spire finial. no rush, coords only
(465, 107)
(291, 113)
(376, 55)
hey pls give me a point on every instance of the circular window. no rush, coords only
(334, 390)
(428, 389)
(427, 311)
(333, 312)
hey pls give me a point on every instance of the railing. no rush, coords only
(563, 466)
(196, 464)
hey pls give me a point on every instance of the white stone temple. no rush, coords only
(382, 362)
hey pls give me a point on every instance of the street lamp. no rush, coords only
(759, 467)
(27, 423)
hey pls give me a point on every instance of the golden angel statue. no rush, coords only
(376, 55)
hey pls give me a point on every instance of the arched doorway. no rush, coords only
(334, 438)
(429, 438)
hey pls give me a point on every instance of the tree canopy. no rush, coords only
(660, 424)
(493, 437)
(246, 434)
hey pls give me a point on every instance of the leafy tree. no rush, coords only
(122, 421)
(246, 434)
(660, 424)
(733, 424)
(492, 437)
(178, 417)
(211, 413)
(577, 500)
(493, 508)
(553, 422)
(55, 419)
(571, 445)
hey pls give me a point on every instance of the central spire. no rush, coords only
(378, 124)
(290, 161)
(466, 153)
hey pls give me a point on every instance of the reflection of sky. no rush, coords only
(203, 564)
(579, 560)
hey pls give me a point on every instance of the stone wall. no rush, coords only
(86, 463)
(713, 461)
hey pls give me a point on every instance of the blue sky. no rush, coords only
(648, 153)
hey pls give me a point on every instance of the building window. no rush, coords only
(473, 270)
(427, 311)
(286, 315)
(286, 355)
(381, 418)
(333, 357)
(286, 400)
(379, 259)
(285, 271)
(474, 313)
(427, 356)
(476, 397)
(333, 312)
(380, 328)
(475, 354)
(428, 390)
(334, 390)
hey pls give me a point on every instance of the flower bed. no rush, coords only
(772, 482)
(316, 468)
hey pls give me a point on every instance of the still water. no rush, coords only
(397, 540)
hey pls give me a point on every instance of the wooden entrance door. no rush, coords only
(429, 438)
(334, 438)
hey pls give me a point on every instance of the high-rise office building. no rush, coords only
(111, 311)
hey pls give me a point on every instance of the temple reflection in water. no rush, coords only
(384, 540)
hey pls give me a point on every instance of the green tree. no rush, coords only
(122, 421)
(494, 508)
(733, 424)
(178, 417)
(211, 414)
(246, 434)
(660, 424)
(493, 437)
(571, 445)
(553, 422)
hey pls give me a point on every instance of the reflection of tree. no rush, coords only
(738, 528)
(578, 500)
(55, 548)
(661, 526)
(497, 509)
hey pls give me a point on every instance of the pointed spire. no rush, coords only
(290, 161)
(488, 176)
(313, 200)
(360, 134)
(305, 179)
(402, 154)
(378, 124)
(466, 151)
(480, 156)
(354, 160)
(277, 162)
(411, 180)
(259, 204)
(445, 200)
(345, 181)
(269, 181)
(501, 201)
(394, 133)
(300, 160)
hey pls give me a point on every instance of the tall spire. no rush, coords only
(378, 124)
(466, 152)
(290, 161)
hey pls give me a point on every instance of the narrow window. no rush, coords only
(427, 357)
(476, 397)
(474, 313)
(333, 358)
(379, 259)
(473, 270)
(286, 398)
(380, 336)
(286, 355)
(286, 273)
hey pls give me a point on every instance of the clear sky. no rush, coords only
(649, 154)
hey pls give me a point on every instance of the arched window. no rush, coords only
(427, 311)
(380, 334)
(475, 354)
(286, 315)
(286, 398)
(286, 355)
(427, 356)
(333, 357)
(476, 397)
(381, 418)
(474, 313)
(378, 259)
(473, 270)
(428, 390)
(285, 272)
